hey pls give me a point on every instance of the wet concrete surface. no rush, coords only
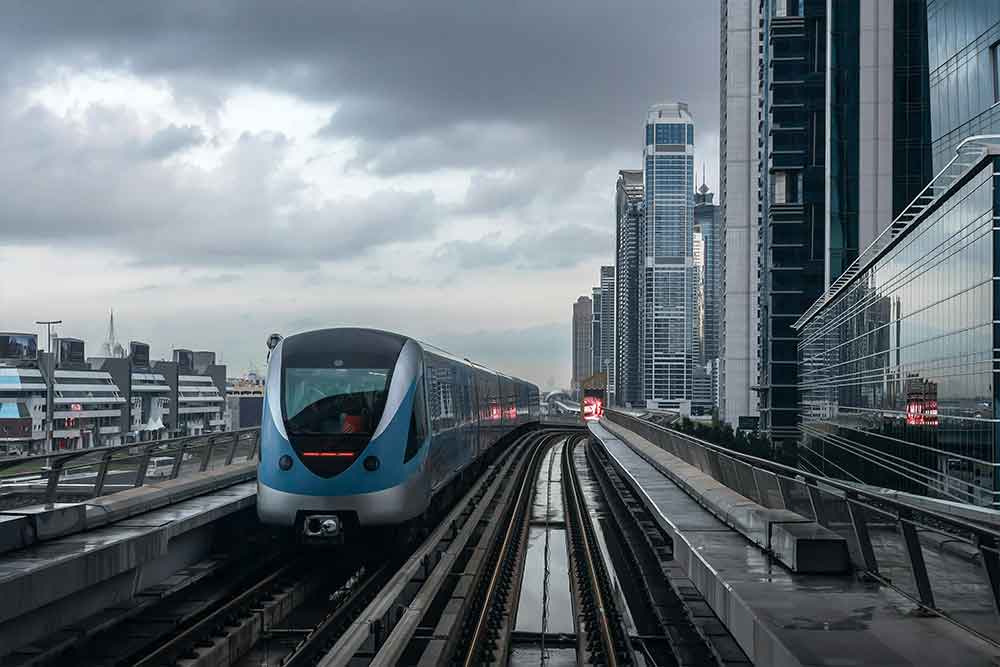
(545, 604)
(783, 618)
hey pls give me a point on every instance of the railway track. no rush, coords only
(610, 592)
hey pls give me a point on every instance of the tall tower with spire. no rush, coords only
(111, 346)
(708, 227)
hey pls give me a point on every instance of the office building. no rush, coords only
(666, 287)
(595, 330)
(23, 395)
(607, 354)
(197, 392)
(583, 314)
(629, 224)
(792, 199)
(738, 199)
(897, 382)
(963, 48)
(87, 405)
(878, 154)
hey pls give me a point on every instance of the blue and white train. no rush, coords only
(363, 428)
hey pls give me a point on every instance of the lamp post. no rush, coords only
(48, 394)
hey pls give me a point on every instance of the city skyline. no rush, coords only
(185, 171)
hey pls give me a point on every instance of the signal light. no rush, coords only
(330, 454)
(371, 463)
(285, 462)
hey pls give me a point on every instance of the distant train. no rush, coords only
(592, 405)
(363, 428)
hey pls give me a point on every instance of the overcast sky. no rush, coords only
(216, 171)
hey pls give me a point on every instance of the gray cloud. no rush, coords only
(63, 183)
(577, 75)
(558, 248)
(173, 139)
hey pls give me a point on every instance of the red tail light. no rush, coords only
(331, 454)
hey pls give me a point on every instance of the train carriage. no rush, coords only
(364, 427)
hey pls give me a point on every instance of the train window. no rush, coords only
(418, 425)
(334, 400)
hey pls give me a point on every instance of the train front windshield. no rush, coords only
(334, 401)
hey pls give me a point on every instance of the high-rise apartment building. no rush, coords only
(582, 360)
(964, 72)
(666, 288)
(738, 197)
(629, 223)
(607, 355)
(596, 329)
(791, 171)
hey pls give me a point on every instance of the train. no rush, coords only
(592, 405)
(364, 428)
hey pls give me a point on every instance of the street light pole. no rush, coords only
(48, 394)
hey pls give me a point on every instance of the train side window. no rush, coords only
(418, 424)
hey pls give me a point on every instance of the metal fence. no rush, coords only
(81, 474)
(950, 565)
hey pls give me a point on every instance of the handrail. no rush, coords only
(136, 460)
(812, 478)
(907, 517)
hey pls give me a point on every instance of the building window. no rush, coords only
(995, 61)
(786, 187)
(787, 8)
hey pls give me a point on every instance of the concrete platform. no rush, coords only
(55, 583)
(779, 617)
(38, 524)
(813, 549)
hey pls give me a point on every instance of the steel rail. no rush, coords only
(370, 623)
(605, 613)
(520, 500)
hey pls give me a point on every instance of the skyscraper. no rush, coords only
(964, 64)
(666, 290)
(738, 154)
(792, 199)
(629, 222)
(878, 154)
(582, 361)
(607, 356)
(595, 330)
(707, 224)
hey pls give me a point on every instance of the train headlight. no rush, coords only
(371, 463)
(330, 526)
(285, 462)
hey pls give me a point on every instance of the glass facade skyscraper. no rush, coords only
(607, 350)
(583, 312)
(898, 357)
(630, 215)
(666, 290)
(963, 45)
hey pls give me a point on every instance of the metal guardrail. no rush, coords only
(99, 471)
(855, 513)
